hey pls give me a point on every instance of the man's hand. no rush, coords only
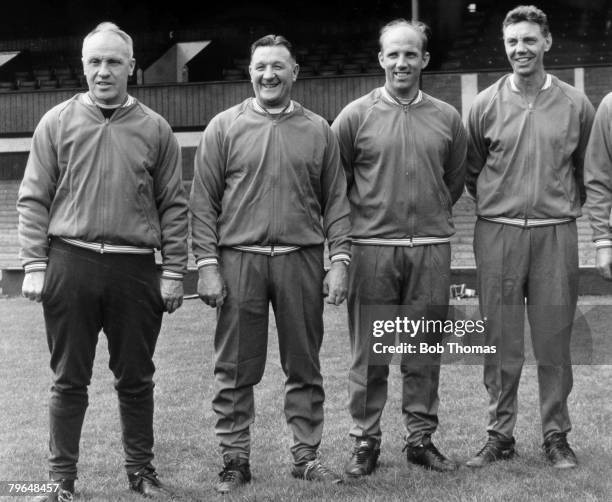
(32, 286)
(335, 284)
(171, 293)
(211, 288)
(603, 263)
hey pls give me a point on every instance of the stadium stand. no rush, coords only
(580, 36)
(338, 63)
(9, 246)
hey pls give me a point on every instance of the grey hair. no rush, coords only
(112, 28)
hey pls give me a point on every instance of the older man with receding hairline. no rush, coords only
(102, 190)
(268, 190)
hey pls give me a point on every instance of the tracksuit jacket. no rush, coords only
(113, 181)
(412, 155)
(527, 161)
(598, 175)
(266, 182)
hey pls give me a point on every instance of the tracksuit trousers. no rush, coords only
(418, 277)
(292, 283)
(85, 292)
(536, 267)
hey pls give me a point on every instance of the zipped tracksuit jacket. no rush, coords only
(405, 167)
(115, 181)
(525, 170)
(98, 195)
(267, 191)
(598, 174)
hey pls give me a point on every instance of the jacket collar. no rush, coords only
(547, 83)
(390, 99)
(88, 101)
(272, 111)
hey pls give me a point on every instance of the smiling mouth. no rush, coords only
(270, 86)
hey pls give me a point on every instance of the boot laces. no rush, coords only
(361, 452)
(314, 467)
(491, 447)
(229, 473)
(560, 446)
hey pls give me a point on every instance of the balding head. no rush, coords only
(106, 28)
(420, 28)
(108, 64)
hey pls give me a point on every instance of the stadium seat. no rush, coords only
(71, 83)
(47, 84)
(27, 85)
(42, 74)
(233, 74)
(373, 67)
(336, 58)
(23, 75)
(63, 73)
(314, 59)
(351, 68)
(362, 58)
(327, 70)
(306, 71)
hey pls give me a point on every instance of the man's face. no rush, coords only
(525, 47)
(403, 59)
(273, 72)
(107, 66)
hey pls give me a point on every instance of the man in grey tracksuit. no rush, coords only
(268, 190)
(527, 138)
(404, 155)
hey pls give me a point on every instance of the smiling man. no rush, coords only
(102, 189)
(403, 152)
(268, 190)
(527, 138)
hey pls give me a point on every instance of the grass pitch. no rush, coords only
(187, 457)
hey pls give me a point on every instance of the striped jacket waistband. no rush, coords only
(272, 250)
(603, 243)
(102, 247)
(408, 242)
(269, 251)
(528, 222)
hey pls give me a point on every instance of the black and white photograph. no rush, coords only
(275, 251)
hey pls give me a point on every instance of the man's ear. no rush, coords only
(548, 40)
(426, 57)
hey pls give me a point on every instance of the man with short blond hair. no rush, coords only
(102, 190)
(403, 152)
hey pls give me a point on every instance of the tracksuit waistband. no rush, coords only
(408, 242)
(103, 247)
(527, 222)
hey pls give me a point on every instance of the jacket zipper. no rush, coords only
(275, 182)
(103, 170)
(410, 170)
(528, 201)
